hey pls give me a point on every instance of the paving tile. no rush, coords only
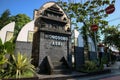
(112, 78)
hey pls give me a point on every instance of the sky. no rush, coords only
(28, 6)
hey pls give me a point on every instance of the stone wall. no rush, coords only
(92, 55)
(24, 48)
(54, 51)
(79, 57)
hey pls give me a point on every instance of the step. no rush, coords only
(60, 67)
(61, 71)
(57, 63)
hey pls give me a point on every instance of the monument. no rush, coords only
(51, 51)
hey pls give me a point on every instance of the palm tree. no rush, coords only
(4, 18)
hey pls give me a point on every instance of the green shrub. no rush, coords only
(3, 61)
(5, 49)
(104, 59)
(89, 66)
(17, 66)
(20, 66)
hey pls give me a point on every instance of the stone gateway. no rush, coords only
(51, 50)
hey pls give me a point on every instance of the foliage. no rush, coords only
(92, 66)
(14, 66)
(5, 49)
(110, 30)
(89, 66)
(104, 59)
(88, 13)
(4, 18)
(3, 61)
(20, 66)
(112, 36)
(101, 67)
(20, 20)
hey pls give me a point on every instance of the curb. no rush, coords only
(64, 77)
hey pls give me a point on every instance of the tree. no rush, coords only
(20, 20)
(112, 36)
(4, 18)
(88, 13)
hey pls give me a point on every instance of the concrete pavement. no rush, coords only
(112, 78)
(114, 75)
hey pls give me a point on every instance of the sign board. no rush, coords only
(110, 9)
(94, 27)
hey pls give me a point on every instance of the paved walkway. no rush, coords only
(115, 66)
(60, 76)
(112, 78)
(114, 75)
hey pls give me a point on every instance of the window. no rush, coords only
(9, 35)
(30, 36)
